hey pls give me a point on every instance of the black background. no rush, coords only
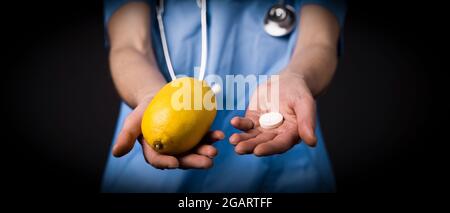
(381, 117)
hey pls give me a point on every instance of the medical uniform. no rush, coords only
(237, 44)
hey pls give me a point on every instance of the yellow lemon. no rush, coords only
(179, 115)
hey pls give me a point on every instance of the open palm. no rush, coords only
(298, 109)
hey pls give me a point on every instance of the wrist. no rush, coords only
(145, 96)
(302, 77)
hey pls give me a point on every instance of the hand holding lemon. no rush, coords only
(175, 134)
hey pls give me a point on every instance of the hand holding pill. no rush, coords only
(275, 130)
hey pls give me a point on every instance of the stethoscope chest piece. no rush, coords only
(279, 20)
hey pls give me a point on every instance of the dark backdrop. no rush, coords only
(61, 106)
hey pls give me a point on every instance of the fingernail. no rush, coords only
(221, 136)
(235, 120)
(114, 152)
(173, 166)
(233, 140)
(314, 140)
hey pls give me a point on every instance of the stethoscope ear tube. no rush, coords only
(159, 13)
(204, 54)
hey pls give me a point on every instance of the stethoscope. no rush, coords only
(278, 21)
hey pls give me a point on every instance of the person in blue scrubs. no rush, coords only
(244, 157)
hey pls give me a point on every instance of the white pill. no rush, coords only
(216, 88)
(270, 120)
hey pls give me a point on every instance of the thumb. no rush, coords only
(305, 111)
(131, 130)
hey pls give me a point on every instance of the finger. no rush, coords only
(213, 136)
(281, 143)
(247, 146)
(305, 111)
(206, 150)
(195, 161)
(238, 137)
(241, 123)
(130, 132)
(157, 160)
(253, 116)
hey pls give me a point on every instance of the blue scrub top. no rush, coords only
(237, 44)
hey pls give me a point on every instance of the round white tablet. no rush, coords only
(270, 120)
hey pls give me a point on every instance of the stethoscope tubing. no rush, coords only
(204, 35)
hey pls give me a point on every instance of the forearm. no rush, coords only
(136, 76)
(132, 62)
(315, 55)
(316, 65)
